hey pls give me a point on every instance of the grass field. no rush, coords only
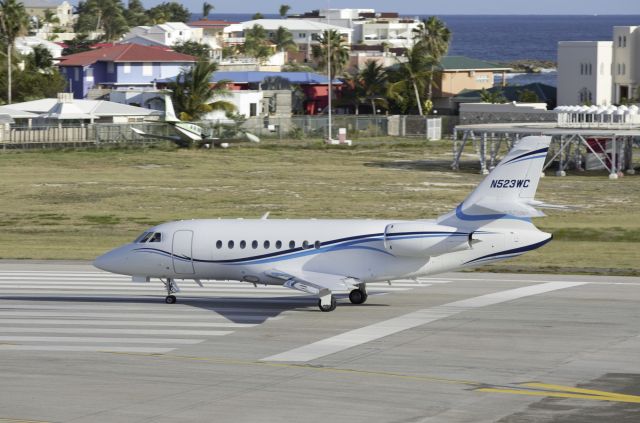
(77, 204)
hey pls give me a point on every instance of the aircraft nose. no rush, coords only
(112, 261)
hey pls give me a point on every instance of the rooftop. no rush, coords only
(204, 23)
(290, 24)
(98, 108)
(125, 53)
(451, 63)
(256, 77)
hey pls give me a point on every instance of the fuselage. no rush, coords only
(367, 250)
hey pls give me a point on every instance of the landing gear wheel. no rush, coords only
(328, 307)
(358, 296)
(170, 299)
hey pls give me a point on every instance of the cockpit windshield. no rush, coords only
(149, 237)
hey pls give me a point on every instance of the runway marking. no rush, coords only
(172, 332)
(83, 322)
(83, 348)
(95, 339)
(559, 391)
(142, 316)
(534, 388)
(379, 330)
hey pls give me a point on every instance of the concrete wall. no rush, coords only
(473, 113)
(584, 72)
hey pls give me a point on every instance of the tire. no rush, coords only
(327, 308)
(357, 296)
(170, 299)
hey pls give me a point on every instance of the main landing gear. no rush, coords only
(327, 303)
(172, 287)
(359, 296)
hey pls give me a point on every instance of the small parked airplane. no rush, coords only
(191, 134)
(321, 257)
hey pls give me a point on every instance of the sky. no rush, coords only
(426, 7)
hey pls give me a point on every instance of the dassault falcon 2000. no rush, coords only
(322, 257)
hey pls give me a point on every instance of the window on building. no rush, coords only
(581, 68)
(619, 41)
(301, 35)
(253, 109)
(147, 69)
(110, 67)
(624, 69)
(590, 69)
(76, 74)
(624, 41)
(126, 68)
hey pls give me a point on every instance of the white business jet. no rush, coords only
(322, 257)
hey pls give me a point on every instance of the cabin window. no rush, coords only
(230, 245)
(254, 244)
(278, 244)
(305, 244)
(292, 244)
(218, 244)
(267, 244)
(243, 244)
(156, 237)
(316, 244)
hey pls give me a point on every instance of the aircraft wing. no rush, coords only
(220, 142)
(174, 138)
(314, 283)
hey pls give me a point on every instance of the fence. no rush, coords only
(294, 127)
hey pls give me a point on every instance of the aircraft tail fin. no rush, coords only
(509, 190)
(169, 111)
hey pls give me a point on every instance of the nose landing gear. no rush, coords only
(172, 287)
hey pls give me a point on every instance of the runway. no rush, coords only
(81, 345)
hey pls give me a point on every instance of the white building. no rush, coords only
(305, 33)
(25, 45)
(60, 10)
(248, 103)
(584, 72)
(370, 27)
(166, 34)
(626, 62)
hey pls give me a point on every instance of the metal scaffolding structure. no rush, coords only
(568, 146)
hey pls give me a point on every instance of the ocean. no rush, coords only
(505, 38)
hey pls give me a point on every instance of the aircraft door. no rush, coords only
(182, 251)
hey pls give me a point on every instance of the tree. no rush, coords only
(39, 60)
(105, 15)
(79, 44)
(206, 9)
(169, 12)
(193, 92)
(284, 9)
(528, 96)
(256, 43)
(412, 76)
(332, 48)
(29, 85)
(373, 79)
(136, 15)
(256, 16)
(492, 96)
(352, 93)
(434, 37)
(193, 48)
(283, 39)
(13, 22)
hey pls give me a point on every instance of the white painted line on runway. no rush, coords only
(172, 332)
(141, 316)
(82, 322)
(167, 310)
(388, 327)
(95, 339)
(82, 348)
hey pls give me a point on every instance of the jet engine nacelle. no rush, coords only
(416, 239)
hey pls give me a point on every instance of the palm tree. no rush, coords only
(331, 46)
(206, 9)
(256, 43)
(283, 39)
(352, 93)
(434, 36)
(414, 74)
(373, 79)
(13, 22)
(284, 9)
(193, 92)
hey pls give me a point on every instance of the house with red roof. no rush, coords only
(121, 65)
